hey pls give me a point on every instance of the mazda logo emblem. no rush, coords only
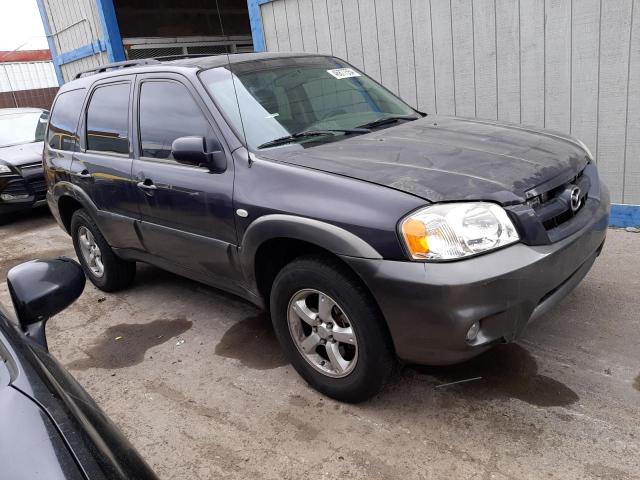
(576, 201)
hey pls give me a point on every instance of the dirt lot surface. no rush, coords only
(198, 384)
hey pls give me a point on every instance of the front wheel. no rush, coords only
(106, 271)
(330, 329)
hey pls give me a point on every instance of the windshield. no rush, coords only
(28, 127)
(280, 97)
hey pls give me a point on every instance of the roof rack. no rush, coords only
(111, 66)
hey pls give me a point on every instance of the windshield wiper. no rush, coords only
(312, 133)
(386, 120)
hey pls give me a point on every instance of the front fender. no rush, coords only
(325, 235)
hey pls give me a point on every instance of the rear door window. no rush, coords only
(63, 123)
(108, 119)
(168, 111)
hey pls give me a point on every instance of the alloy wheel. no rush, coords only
(90, 251)
(322, 333)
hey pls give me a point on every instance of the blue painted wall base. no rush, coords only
(624, 215)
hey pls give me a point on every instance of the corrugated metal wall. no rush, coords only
(69, 70)
(27, 76)
(74, 24)
(569, 65)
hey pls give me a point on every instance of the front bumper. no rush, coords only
(7, 208)
(429, 307)
(27, 187)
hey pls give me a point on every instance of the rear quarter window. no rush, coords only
(63, 123)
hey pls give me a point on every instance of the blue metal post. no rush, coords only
(255, 18)
(110, 30)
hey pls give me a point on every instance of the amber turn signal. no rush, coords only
(415, 236)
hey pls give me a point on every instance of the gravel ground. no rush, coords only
(198, 384)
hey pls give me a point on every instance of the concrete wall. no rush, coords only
(569, 65)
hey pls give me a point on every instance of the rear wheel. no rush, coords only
(330, 329)
(106, 271)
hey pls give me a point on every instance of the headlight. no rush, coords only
(4, 169)
(449, 231)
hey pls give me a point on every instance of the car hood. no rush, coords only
(18, 155)
(444, 159)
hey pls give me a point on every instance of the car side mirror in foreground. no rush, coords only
(200, 152)
(41, 288)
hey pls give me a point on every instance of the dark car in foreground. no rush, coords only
(371, 231)
(22, 184)
(50, 428)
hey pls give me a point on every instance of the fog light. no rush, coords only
(8, 197)
(473, 331)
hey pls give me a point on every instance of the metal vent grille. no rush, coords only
(208, 49)
(34, 165)
(139, 53)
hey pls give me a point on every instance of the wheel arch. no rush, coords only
(272, 241)
(69, 198)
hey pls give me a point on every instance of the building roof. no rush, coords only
(25, 56)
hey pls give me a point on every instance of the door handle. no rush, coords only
(147, 186)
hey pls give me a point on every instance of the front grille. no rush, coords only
(559, 219)
(38, 187)
(16, 187)
(547, 215)
(553, 208)
(30, 166)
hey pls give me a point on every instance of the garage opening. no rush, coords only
(189, 27)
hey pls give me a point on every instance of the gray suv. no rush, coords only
(372, 232)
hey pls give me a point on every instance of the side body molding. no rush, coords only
(330, 237)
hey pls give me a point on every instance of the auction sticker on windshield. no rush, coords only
(340, 73)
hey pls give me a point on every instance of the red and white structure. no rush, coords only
(27, 79)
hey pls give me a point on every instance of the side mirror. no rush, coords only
(200, 152)
(41, 288)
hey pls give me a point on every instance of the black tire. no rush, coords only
(375, 359)
(118, 274)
